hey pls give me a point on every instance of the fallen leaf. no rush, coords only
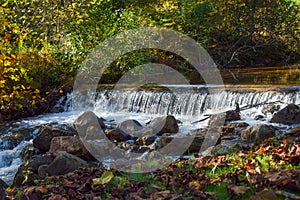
(265, 195)
(238, 189)
(105, 178)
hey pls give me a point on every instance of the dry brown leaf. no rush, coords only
(238, 189)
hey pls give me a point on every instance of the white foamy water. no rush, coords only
(143, 106)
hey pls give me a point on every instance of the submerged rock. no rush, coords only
(65, 163)
(45, 135)
(260, 132)
(288, 115)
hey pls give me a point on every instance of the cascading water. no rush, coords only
(119, 105)
(186, 103)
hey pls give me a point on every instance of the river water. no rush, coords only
(118, 105)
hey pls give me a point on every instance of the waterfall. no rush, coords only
(185, 103)
(118, 105)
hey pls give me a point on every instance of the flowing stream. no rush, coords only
(186, 104)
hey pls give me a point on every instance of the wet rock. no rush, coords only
(139, 149)
(232, 115)
(29, 151)
(124, 145)
(165, 139)
(234, 128)
(271, 108)
(288, 115)
(3, 194)
(293, 134)
(145, 141)
(15, 138)
(93, 133)
(259, 117)
(43, 140)
(69, 144)
(130, 126)
(117, 135)
(65, 163)
(196, 144)
(217, 121)
(259, 133)
(88, 119)
(165, 124)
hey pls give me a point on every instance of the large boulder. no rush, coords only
(69, 144)
(165, 124)
(232, 115)
(31, 167)
(295, 132)
(117, 135)
(43, 140)
(65, 163)
(130, 125)
(88, 119)
(288, 115)
(260, 132)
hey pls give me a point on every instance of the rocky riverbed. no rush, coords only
(56, 151)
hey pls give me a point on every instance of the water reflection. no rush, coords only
(289, 75)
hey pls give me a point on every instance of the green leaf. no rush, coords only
(106, 177)
(5, 4)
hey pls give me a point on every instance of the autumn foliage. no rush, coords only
(43, 42)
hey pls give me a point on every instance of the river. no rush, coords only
(186, 103)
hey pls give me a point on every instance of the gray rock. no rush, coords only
(88, 119)
(38, 160)
(288, 115)
(196, 144)
(42, 170)
(165, 124)
(69, 144)
(65, 163)
(43, 140)
(259, 117)
(260, 132)
(31, 166)
(130, 126)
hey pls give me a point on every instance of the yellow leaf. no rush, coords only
(7, 63)
(33, 102)
(36, 91)
(10, 190)
(16, 30)
(23, 87)
(61, 91)
(23, 70)
(105, 178)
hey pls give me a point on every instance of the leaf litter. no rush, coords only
(266, 171)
